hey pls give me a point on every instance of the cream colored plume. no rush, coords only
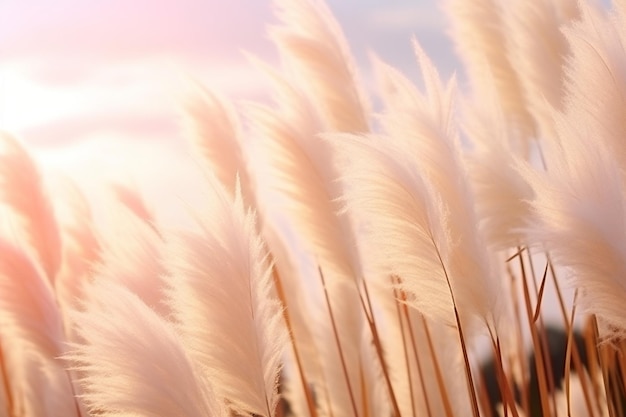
(425, 210)
(222, 299)
(32, 340)
(22, 189)
(316, 55)
(537, 50)
(580, 210)
(216, 136)
(133, 362)
(501, 192)
(596, 86)
(132, 255)
(481, 40)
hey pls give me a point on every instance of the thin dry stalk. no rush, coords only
(622, 363)
(440, 383)
(568, 323)
(371, 321)
(483, 396)
(539, 363)
(338, 343)
(505, 388)
(305, 386)
(520, 342)
(545, 348)
(604, 367)
(405, 310)
(540, 295)
(568, 357)
(5, 381)
(468, 368)
(404, 347)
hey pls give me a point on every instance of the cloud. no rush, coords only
(118, 29)
(95, 87)
(133, 98)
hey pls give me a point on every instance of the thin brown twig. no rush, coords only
(539, 363)
(5, 381)
(468, 368)
(438, 375)
(418, 363)
(338, 343)
(296, 352)
(404, 343)
(569, 327)
(379, 349)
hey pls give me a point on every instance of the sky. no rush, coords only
(95, 88)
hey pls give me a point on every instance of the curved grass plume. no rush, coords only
(350, 261)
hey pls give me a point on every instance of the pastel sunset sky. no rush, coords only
(95, 88)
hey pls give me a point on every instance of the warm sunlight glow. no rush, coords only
(25, 103)
(313, 208)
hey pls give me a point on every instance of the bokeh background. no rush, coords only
(95, 88)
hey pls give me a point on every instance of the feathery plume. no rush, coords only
(32, 340)
(131, 255)
(298, 168)
(390, 197)
(501, 192)
(580, 211)
(81, 248)
(133, 362)
(215, 135)
(131, 198)
(221, 285)
(22, 189)
(441, 216)
(568, 10)
(217, 140)
(313, 47)
(537, 51)
(596, 78)
(481, 42)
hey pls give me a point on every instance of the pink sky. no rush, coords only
(94, 88)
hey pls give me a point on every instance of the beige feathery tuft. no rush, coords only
(481, 40)
(81, 248)
(217, 141)
(299, 168)
(131, 198)
(596, 78)
(422, 139)
(31, 340)
(132, 255)
(215, 135)
(221, 296)
(316, 54)
(22, 189)
(133, 362)
(537, 51)
(580, 210)
(403, 221)
(501, 192)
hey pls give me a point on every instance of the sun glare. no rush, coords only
(25, 103)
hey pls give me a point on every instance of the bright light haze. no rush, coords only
(95, 87)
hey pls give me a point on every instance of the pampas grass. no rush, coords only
(139, 368)
(221, 295)
(348, 263)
